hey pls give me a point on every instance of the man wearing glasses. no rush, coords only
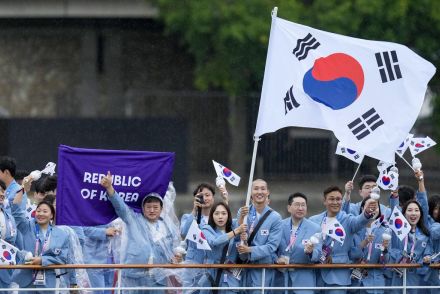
(366, 184)
(297, 244)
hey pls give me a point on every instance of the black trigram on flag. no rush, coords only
(388, 67)
(290, 101)
(304, 45)
(364, 125)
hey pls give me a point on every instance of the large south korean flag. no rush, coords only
(368, 93)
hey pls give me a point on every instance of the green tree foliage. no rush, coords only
(228, 38)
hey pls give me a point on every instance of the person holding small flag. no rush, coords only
(338, 229)
(299, 244)
(262, 238)
(366, 185)
(373, 242)
(149, 239)
(8, 233)
(222, 234)
(45, 243)
(413, 247)
(202, 202)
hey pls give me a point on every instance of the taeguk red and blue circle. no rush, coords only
(7, 255)
(398, 223)
(227, 172)
(339, 232)
(335, 81)
(386, 180)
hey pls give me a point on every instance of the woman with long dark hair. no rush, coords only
(222, 234)
(415, 248)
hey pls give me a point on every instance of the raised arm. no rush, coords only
(347, 197)
(118, 203)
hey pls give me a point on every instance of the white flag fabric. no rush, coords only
(30, 210)
(8, 253)
(398, 224)
(226, 173)
(196, 235)
(388, 180)
(418, 145)
(404, 145)
(349, 153)
(368, 93)
(375, 224)
(335, 230)
(382, 165)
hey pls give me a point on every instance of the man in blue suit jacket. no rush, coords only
(296, 246)
(333, 251)
(267, 238)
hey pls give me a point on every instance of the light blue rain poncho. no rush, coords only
(144, 242)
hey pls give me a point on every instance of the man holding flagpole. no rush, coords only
(338, 229)
(262, 238)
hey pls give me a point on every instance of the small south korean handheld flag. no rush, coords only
(8, 253)
(418, 145)
(226, 173)
(398, 224)
(30, 210)
(335, 230)
(375, 224)
(388, 180)
(404, 145)
(382, 165)
(196, 235)
(349, 153)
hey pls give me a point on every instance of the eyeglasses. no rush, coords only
(298, 205)
(368, 187)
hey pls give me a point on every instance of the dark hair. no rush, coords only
(294, 195)
(50, 198)
(38, 186)
(366, 178)
(8, 163)
(51, 207)
(331, 189)
(228, 226)
(151, 200)
(433, 203)
(421, 224)
(3, 185)
(406, 193)
(363, 205)
(20, 174)
(49, 184)
(201, 186)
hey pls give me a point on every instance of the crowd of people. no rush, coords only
(256, 235)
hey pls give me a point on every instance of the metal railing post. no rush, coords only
(404, 281)
(119, 277)
(263, 277)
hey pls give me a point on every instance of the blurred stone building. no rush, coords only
(111, 59)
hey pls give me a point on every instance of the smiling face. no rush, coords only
(412, 214)
(260, 192)
(220, 217)
(333, 202)
(43, 214)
